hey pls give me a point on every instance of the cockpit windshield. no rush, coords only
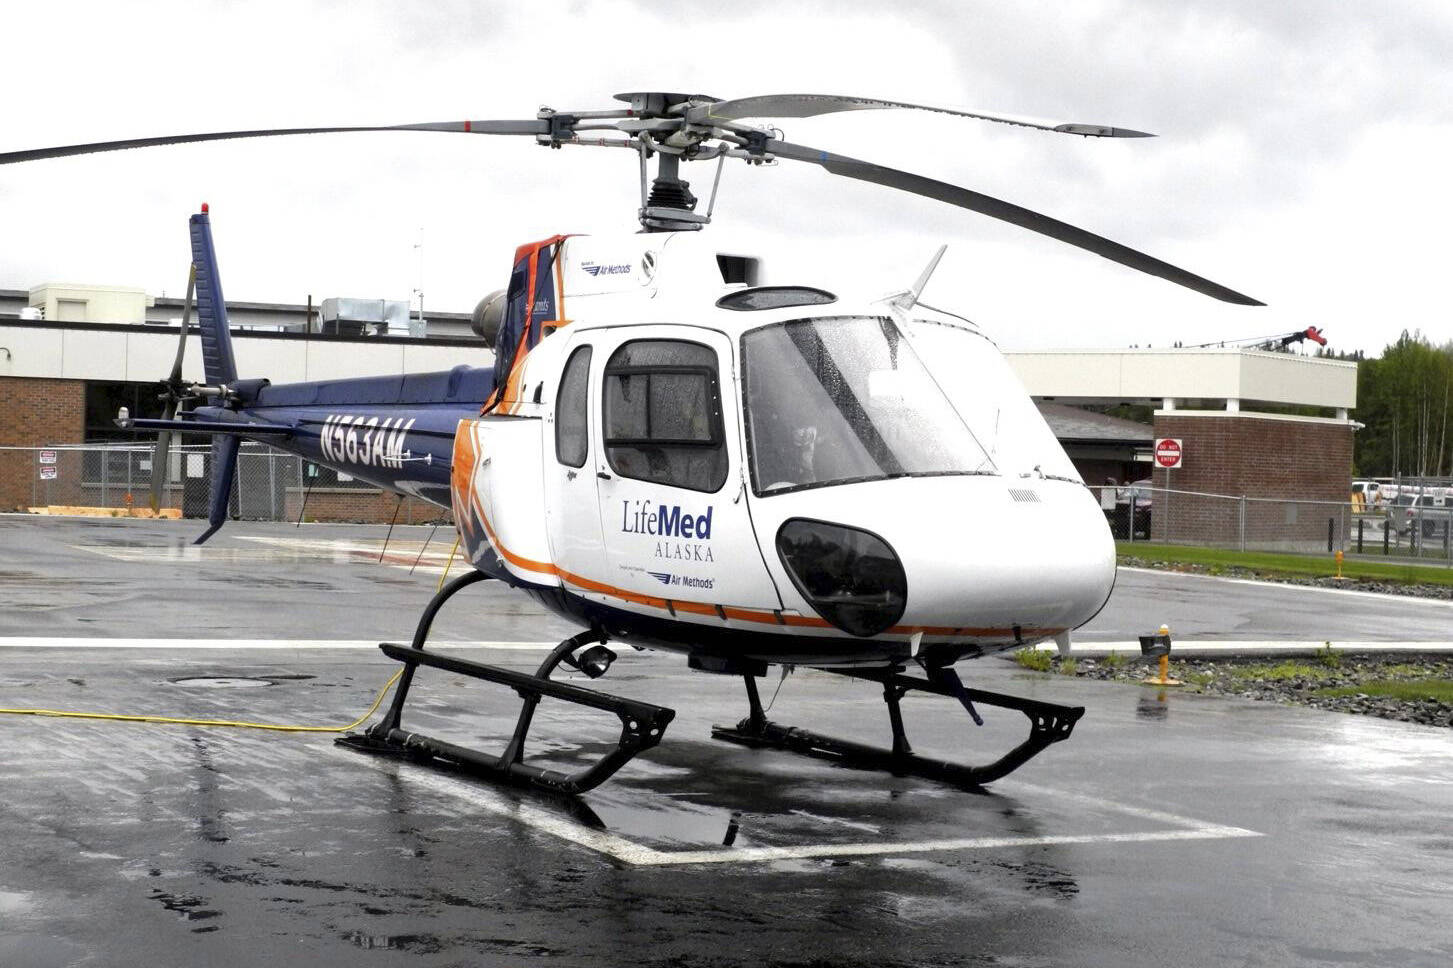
(843, 399)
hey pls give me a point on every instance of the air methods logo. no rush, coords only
(684, 581)
(610, 269)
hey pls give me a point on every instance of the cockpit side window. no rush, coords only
(662, 411)
(572, 435)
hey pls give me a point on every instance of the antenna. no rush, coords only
(908, 298)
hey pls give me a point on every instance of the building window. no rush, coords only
(662, 410)
(105, 398)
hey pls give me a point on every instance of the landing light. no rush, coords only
(594, 661)
(850, 577)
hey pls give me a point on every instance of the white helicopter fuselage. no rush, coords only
(821, 480)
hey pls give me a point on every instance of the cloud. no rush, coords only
(1299, 158)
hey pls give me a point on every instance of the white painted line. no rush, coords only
(28, 642)
(630, 852)
(646, 856)
(401, 554)
(1381, 596)
(1092, 647)
(1114, 806)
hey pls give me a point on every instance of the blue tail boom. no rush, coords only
(217, 360)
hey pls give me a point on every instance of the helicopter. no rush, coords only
(674, 456)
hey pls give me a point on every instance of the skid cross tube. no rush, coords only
(1049, 723)
(642, 724)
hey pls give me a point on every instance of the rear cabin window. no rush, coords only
(572, 436)
(662, 412)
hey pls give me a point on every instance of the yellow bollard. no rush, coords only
(1339, 565)
(1164, 678)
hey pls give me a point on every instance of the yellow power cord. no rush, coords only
(448, 564)
(169, 720)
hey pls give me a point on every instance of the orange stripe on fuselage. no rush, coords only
(729, 611)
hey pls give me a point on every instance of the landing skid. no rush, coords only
(1049, 723)
(642, 724)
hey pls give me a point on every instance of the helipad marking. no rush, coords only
(1381, 596)
(402, 553)
(59, 642)
(631, 852)
(1092, 646)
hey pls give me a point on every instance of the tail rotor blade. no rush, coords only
(1005, 212)
(161, 454)
(160, 463)
(176, 377)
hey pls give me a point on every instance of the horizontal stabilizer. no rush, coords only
(197, 427)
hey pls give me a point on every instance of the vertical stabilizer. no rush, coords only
(217, 361)
(224, 469)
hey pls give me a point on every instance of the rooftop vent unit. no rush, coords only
(363, 317)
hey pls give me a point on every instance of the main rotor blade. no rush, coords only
(812, 105)
(1005, 212)
(531, 127)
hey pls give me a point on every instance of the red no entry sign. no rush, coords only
(1168, 452)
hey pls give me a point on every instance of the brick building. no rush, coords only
(63, 379)
(1230, 410)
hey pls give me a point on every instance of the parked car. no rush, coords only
(1144, 500)
(1434, 512)
(1138, 495)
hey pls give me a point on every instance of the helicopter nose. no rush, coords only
(968, 557)
(1039, 557)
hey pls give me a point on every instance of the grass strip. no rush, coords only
(1282, 671)
(1440, 690)
(1277, 565)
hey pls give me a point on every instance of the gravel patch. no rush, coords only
(1411, 589)
(1297, 681)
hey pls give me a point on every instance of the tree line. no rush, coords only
(1405, 402)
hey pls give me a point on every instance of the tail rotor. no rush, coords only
(174, 392)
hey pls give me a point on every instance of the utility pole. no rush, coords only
(419, 289)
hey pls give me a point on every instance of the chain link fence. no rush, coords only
(271, 484)
(1141, 513)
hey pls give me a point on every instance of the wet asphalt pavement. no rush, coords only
(1168, 830)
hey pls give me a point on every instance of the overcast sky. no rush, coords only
(1303, 154)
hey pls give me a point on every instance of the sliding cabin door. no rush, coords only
(668, 472)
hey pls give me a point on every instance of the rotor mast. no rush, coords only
(669, 206)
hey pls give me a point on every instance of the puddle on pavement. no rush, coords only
(255, 580)
(222, 682)
(15, 902)
(187, 907)
(36, 949)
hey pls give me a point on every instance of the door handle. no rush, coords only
(602, 475)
